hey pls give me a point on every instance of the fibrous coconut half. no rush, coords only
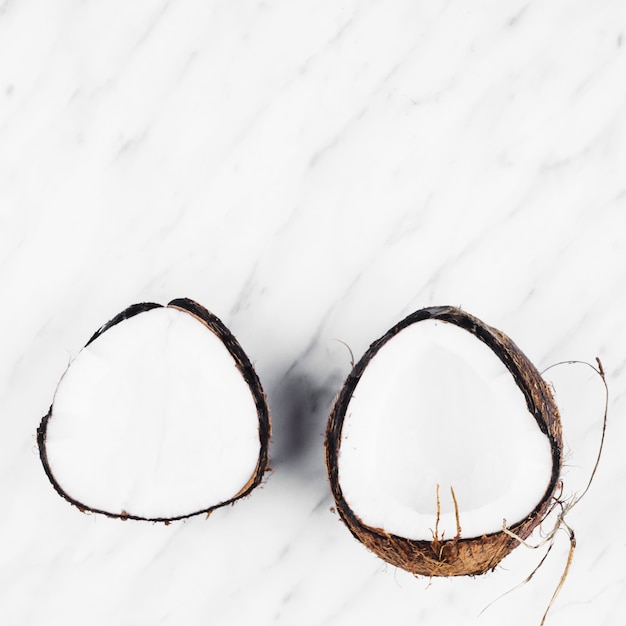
(443, 430)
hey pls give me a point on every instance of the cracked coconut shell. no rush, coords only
(457, 556)
(204, 329)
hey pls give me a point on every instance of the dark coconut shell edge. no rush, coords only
(458, 556)
(215, 325)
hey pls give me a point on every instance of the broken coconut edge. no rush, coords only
(243, 364)
(458, 556)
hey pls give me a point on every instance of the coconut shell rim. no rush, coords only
(427, 557)
(246, 369)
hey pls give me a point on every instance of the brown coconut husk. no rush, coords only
(216, 326)
(457, 556)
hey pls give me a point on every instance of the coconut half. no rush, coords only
(161, 416)
(441, 431)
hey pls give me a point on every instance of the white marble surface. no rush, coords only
(310, 172)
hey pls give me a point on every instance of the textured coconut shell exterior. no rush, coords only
(458, 556)
(243, 364)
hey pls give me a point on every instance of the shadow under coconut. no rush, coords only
(300, 406)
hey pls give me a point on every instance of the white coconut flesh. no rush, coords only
(155, 419)
(435, 406)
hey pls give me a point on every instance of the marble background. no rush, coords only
(311, 172)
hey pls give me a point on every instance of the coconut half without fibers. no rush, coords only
(161, 416)
(443, 429)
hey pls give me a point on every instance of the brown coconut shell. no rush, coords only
(243, 364)
(457, 556)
